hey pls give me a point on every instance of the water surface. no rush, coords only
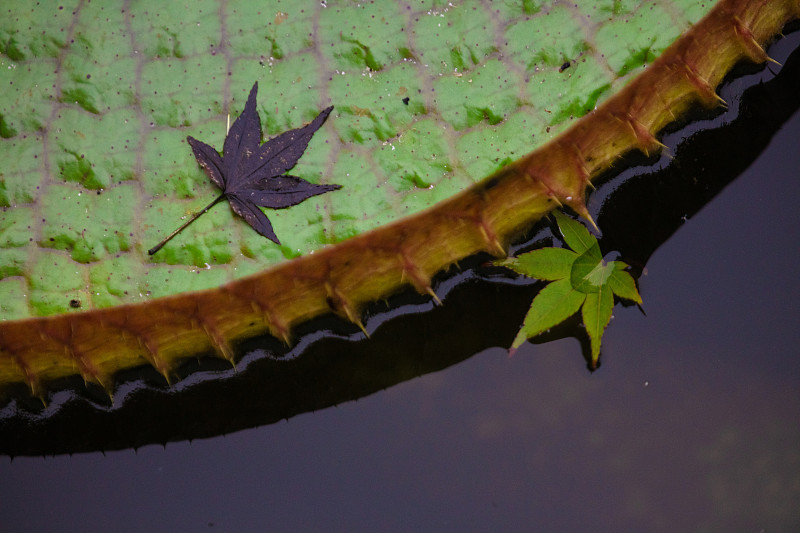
(692, 422)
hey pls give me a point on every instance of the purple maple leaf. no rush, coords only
(252, 174)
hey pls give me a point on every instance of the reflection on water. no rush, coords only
(693, 421)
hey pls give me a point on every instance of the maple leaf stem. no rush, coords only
(160, 245)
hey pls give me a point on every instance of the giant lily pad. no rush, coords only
(430, 99)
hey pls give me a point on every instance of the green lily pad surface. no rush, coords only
(97, 99)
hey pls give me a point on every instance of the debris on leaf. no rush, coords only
(252, 174)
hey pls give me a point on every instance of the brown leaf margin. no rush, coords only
(97, 344)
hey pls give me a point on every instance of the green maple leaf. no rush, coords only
(580, 279)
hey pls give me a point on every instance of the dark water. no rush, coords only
(692, 423)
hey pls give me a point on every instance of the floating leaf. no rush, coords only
(575, 234)
(589, 272)
(554, 304)
(622, 283)
(547, 264)
(580, 278)
(596, 316)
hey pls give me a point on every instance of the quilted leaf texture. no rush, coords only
(430, 100)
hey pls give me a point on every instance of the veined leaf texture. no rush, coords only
(429, 98)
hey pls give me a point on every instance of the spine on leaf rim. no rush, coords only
(343, 278)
